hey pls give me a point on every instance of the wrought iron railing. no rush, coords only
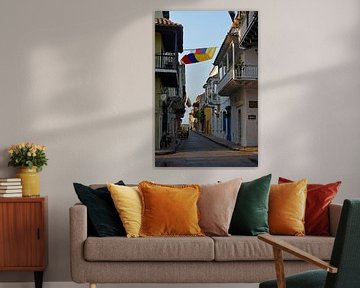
(246, 25)
(241, 72)
(246, 72)
(226, 79)
(166, 61)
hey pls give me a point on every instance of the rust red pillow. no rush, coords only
(319, 197)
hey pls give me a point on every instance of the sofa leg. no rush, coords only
(92, 285)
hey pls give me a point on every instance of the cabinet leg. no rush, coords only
(38, 279)
(92, 285)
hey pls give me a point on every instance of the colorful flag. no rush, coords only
(198, 55)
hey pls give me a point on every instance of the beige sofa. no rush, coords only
(234, 259)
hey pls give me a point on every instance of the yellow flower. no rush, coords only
(28, 154)
(11, 151)
(41, 147)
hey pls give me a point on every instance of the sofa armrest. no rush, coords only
(78, 235)
(334, 217)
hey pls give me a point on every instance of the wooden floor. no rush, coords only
(74, 285)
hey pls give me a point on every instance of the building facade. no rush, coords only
(170, 95)
(218, 104)
(237, 62)
(197, 118)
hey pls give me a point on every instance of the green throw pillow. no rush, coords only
(103, 218)
(250, 216)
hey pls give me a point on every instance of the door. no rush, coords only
(228, 123)
(239, 125)
(21, 234)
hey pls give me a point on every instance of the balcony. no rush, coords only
(244, 72)
(249, 31)
(213, 99)
(240, 76)
(166, 68)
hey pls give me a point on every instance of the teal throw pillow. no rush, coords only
(250, 216)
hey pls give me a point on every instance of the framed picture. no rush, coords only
(206, 88)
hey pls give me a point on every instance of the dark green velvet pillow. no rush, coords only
(103, 218)
(250, 216)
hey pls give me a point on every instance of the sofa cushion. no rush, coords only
(318, 199)
(102, 216)
(287, 204)
(127, 201)
(250, 215)
(244, 248)
(169, 210)
(216, 205)
(149, 249)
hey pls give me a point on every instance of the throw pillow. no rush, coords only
(287, 204)
(250, 215)
(169, 210)
(319, 197)
(127, 201)
(216, 206)
(102, 215)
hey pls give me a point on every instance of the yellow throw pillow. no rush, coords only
(127, 201)
(287, 204)
(169, 210)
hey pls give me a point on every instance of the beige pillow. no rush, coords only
(216, 206)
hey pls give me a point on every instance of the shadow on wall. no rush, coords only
(73, 76)
(310, 109)
(76, 76)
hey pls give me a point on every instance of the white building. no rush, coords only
(217, 104)
(237, 61)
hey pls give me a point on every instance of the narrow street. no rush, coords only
(198, 151)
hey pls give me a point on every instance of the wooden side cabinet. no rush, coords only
(23, 235)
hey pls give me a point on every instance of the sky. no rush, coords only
(202, 29)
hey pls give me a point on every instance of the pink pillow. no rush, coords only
(216, 206)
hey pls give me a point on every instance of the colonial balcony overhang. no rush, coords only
(236, 77)
(178, 107)
(213, 99)
(166, 67)
(214, 102)
(248, 37)
(172, 34)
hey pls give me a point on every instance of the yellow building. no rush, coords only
(208, 120)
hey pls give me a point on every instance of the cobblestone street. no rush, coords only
(198, 151)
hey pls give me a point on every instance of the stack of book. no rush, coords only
(10, 187)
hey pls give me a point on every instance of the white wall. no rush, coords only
(77, 76)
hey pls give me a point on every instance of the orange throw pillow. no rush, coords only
(287, 204)
(169, 210)
(318, 200)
